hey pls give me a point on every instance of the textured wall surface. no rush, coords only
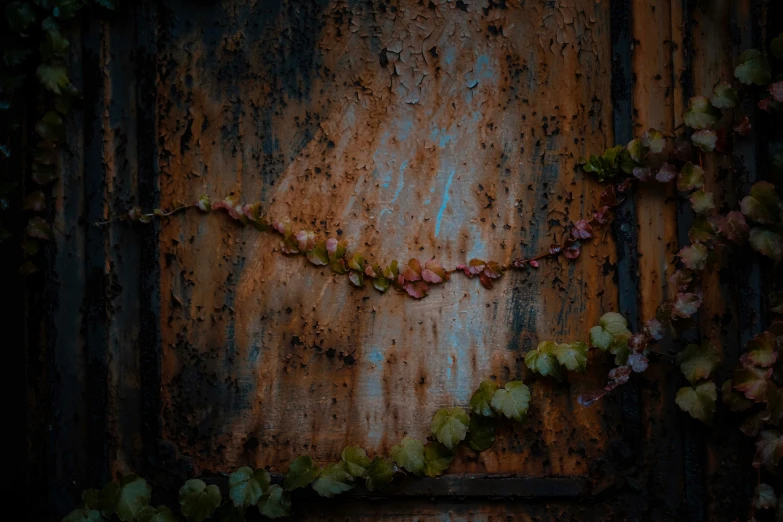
(410, 128)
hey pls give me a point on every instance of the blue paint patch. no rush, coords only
(445, 203)
(400, 185)
(375, 356)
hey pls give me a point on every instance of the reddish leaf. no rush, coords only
(412, 271)
(433, 272)
(682, 279)
(765, 104)
(486, 282)
(416, 289)
(642, 173)
(619, 376)
(305, 240)
(769, 450)
(685, 305)
(743, 126)
(666, 173)
(572, 251)
(734, 400)
(582, 230)
(230, 205)
(733, 227)
(533, 263)
(603, 216)
(35, 201)
(38, 228)
(609, 197)
(776, 90)
(625, 185)
(638, 362)
(752, 382)
(654, 329)
(476, 266)
(683, 150)
(493, 270)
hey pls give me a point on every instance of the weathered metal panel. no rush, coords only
(410, 128)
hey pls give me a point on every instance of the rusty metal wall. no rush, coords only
(409, 128)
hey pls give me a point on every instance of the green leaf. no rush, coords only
(724, 96)
(690, 177)
(247, 486)
(694, 256)
(276, 503)
(698, 401)
(767, 242)
(600, 338)
(572, 355)
(543, 361)
(53, 43)
(450, 426)
(762, 205)
(437, 458)
(409, 454)
(161, 514)
(705, 139)
(108, 498)
(197, 501)
(702, 202)
(776, 45)
(83, 515)
(701, 230)
(605, 166)
(761, 351)
(91, 499)
(481, 400)
(654, 140)
(612, 334)
(512, 400)
(134, 495)
(357, 463)
(765, 497)
(753, 68)
(700, 113)
(301, 472)
(53, 76)
(697, 362)
(50, 127)
(380, 474)
(481, 432)
(20, 15)
(318, 255)
(333, 480)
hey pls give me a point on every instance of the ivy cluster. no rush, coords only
(248, 488)
(36, 47)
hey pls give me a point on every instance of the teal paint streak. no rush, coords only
(445, 203)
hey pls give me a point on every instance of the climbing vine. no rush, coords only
(753, 391)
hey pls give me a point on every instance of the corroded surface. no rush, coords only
(409, 129)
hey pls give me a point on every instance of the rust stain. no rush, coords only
(410, 129)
